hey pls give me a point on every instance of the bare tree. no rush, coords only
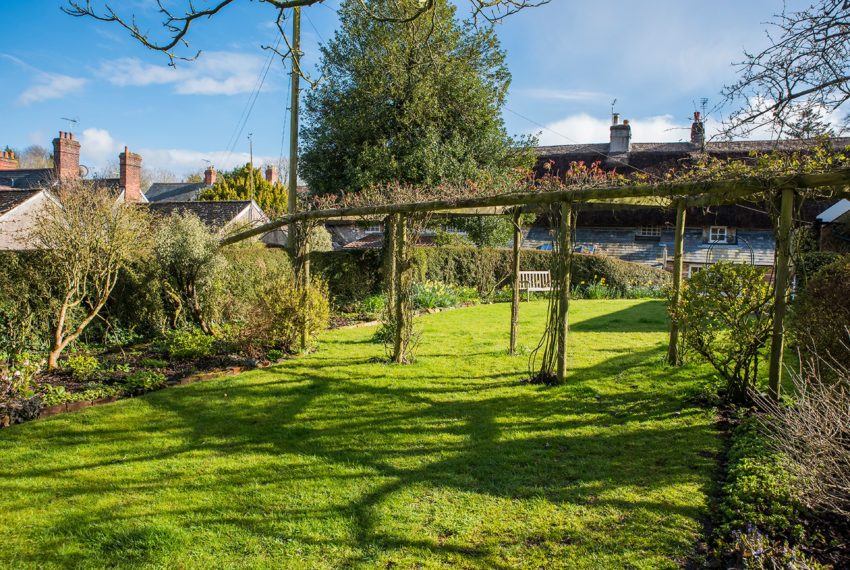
(177, 18)
(87, 240)
(805, 68)
(35, 156)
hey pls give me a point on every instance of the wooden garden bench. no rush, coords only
(535, 281)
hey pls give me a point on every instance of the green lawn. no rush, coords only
(334, 460)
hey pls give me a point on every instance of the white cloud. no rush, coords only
(583, 128)
(99, 152)
(562, 94)
(183, 161)
(98, 146)
(213, 73)
(46, 85)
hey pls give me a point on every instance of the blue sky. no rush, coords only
(569, 60)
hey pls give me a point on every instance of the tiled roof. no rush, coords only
(174, 191)
(681, 148)
(11, 199)
(26, 178)
(215, 214)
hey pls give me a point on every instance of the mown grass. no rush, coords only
(335, 460)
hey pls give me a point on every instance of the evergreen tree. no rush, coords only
(236, 185)
(416, 102)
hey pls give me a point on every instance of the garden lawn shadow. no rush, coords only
(333, 461)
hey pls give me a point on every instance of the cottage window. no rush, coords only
(649, 231)
(717, 234)
(375, 229)
(693, 269)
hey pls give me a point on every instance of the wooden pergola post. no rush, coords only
(674, 357)
(564, 268)
(780, 281)
(390, 224)
(515, 284)
(304, 278)
(399, 309)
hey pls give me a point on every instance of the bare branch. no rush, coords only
(806, 66)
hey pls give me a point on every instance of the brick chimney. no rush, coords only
(271, 174)
(698, 131)
(209, 175)
(130, 165)
(621, 136)
(66, 157)
(8, 160)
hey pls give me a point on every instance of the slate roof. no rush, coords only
(11, 199)
(659, 157)
(752, 246)
(26, 178)
(174, 191)
(215, 214)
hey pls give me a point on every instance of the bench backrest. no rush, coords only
(535, 280)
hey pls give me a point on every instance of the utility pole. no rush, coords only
(251, 166)
(293, 123)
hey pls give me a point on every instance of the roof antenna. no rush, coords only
(614, 102)
(703, 103)
(71, 122)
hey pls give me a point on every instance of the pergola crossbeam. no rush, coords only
(729, 190)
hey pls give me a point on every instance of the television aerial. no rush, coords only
(71, 122)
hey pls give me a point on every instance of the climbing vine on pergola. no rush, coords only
(691, 192)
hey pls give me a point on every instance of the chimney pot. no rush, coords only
(621, 138)
(615, 118)
(130, 166)
(271, 174)
(698, 131)
(66, 157)
(209, 175)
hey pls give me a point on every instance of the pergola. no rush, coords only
(679, 194)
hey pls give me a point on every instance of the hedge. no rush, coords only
(355, 274)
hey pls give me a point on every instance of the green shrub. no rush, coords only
(809, 264)
(758, 512)
(83, 366)
(188, 344)
(143, 381)
(432, 295)
(277, 317)
(153, 363)
(355, 274)
(53, 395)
(274, 355)
(372, 305)
(352, 274)
(821, 315)
(758, 490)
(727, 311)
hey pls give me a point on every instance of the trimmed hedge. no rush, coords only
(810, 263)
(821, 314)
(354, 274)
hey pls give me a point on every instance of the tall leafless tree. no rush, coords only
(176, 18)
(805, 68)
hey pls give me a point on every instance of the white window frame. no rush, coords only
(694, 268)
(375, 229)
(648, 231)
(712, 239)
